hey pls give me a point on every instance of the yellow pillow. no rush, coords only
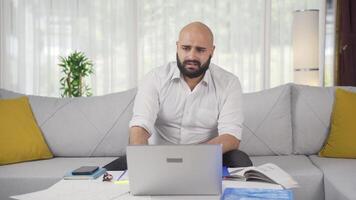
(341, 142)
(20, 137)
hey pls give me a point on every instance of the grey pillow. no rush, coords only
(267, 126)
(85, 126)
(311, 114)
(94, 126)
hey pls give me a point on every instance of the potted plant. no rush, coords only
(75, 68)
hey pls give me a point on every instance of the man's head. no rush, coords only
(195, 48)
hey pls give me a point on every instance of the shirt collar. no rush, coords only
(207, 76)
(176, 74)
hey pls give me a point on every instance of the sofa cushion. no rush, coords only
(309, 177)
(6, 94)
(339, 177)
(311, 113)
(267, 122)
(311, 110)
(95, 126)
(39, 175)
(20, 138)
(341, 142)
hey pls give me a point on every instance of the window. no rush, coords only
(126, 39)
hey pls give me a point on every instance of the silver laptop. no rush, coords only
(175, 169)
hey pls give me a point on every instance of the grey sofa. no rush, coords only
(286, 125)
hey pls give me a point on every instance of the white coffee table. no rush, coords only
(116, 190)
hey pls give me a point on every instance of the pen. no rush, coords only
(121, 175)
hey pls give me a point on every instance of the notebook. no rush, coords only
(70, 176)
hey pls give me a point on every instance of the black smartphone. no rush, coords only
(85, 170)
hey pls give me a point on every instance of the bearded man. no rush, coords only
(190, 101)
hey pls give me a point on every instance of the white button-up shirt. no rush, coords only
(166, 106)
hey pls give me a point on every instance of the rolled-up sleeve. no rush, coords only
(146, 103)
(231, 115)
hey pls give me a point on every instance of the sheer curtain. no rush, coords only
(127, 38)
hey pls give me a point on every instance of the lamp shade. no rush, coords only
(306, 46)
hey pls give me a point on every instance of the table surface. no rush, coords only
(116, 190)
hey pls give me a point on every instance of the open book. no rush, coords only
(269, 173)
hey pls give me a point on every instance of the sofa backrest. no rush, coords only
(289, 119)
(98, 126)
(95, 126)
(311, 115)
(267, 128)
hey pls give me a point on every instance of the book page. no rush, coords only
(252, 175)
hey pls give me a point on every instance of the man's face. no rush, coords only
(194, 51)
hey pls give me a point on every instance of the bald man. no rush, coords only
(190, 101)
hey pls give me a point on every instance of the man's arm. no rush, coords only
(228, 142)
(230, 118)
(138, 135)
(145, 110)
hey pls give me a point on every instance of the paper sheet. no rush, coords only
(84, 190)
(79, 190)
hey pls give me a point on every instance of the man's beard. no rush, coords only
(193, 74)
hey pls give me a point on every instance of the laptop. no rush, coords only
(175, 169)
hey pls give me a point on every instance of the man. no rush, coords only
(190, 101)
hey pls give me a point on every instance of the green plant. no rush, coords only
(75, 68)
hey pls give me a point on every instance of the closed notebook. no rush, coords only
(256, 194)
(70, 176)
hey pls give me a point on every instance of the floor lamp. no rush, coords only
(306, 47)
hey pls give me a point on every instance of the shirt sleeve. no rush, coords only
(231, 116)
(146, 104)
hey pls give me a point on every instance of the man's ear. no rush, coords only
(212, 51)
(177, 43)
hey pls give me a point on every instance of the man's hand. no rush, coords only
(229, 142)
(138, 135)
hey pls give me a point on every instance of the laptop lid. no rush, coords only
(175, 169)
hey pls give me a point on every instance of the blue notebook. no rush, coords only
(257, 194)
(70, 176)
(225, 172)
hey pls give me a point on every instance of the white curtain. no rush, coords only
(127, 38)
